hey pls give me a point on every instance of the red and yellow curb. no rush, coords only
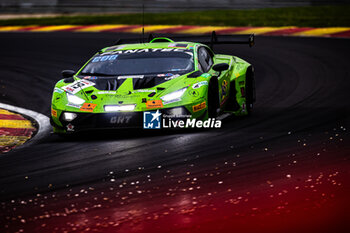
(15, 130)
(180, 29)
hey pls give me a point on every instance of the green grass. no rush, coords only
(320, 16)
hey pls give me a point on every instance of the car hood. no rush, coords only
(138, 81)
(141, 91)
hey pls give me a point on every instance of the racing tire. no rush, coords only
(250, 90)
(213, 98)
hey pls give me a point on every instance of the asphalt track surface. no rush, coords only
(285, 168)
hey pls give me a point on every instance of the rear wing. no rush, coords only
(209, 40)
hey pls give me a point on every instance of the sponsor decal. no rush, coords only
(141, 90)
(104, 58)
(88, 107)
(205, 75)
(148, 51)
(106, 92)
(53, 112)
(168, 76)
(120, 119)
(165, 75)
(198, 85)
(154, 104)
(122, 96)
(193, 93)
(152, 120)
(90, 78)
(172, 77)
(223, 89)
(130, 76)
(198, 107)
(70, 127)
(172, 45)
(73, 105)
(78, 85)
(58, 90)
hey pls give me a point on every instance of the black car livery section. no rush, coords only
(140, 64)
(139, 82)
(149, 69)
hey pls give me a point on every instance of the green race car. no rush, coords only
(159, 84)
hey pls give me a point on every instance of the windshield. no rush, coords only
(140, 63)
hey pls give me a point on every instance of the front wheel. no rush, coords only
(213, 98)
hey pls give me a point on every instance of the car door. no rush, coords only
(205, 60)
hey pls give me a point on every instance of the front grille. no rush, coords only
(106, 120)
(86, 121)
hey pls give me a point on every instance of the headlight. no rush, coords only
(69, 116)
(117, 108)
(173, 96)
(72, 99)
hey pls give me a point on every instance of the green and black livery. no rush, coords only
(176, 77)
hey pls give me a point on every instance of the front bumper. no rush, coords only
(113, 120)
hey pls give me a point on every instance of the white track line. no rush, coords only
(42, 120)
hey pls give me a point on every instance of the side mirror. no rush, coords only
(67, 73)
(221, 67)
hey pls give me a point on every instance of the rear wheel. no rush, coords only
(250, 89)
